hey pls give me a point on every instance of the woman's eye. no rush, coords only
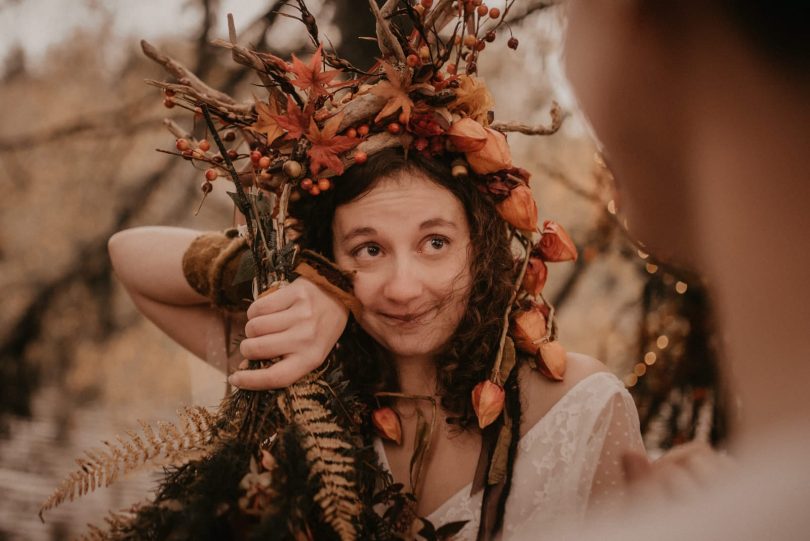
(437, 243)
(366, 250)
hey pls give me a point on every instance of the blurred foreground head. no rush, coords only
(696, 103)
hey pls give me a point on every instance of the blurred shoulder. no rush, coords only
(539, 394)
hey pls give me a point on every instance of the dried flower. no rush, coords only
(529, 328)
(535, 277)
(487, 400)
(472, 98)
(555, 244)
(519, 209)
(467, 135)
(551, 360)
(387, 423)
(493, 156)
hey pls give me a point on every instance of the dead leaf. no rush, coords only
(295, 121)
(310, 77)
(266, 122)
(395, 90)
(327, 145)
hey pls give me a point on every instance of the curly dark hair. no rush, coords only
(467, 357)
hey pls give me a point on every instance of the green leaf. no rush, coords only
(420, 445)
(500, 456)
(447, 531)
(507, 361)
(246, 270)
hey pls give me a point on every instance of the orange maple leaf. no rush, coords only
(310, 77)
(266, 122)
(294, 120)
(327, 146)
(395, 90)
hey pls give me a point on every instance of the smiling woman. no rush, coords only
(431, 265)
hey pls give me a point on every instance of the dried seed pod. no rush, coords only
(487, 400)
(293, 169)
(551, 360)
(459, 169)
(387, 423)
(529, 328)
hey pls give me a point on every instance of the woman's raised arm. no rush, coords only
(299, 323)
(148, 261)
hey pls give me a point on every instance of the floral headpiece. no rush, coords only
(324, 115)
(318, 118)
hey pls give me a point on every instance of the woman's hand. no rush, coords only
(299, 323)
(681, 473)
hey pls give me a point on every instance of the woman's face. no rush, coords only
(408, 241)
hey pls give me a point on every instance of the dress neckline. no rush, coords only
(378, 444)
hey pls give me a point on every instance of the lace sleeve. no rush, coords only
(616, 432)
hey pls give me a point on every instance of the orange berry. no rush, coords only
(182, 144)
(427, 4)
(211, 174)
(403, 118)
(306, 184)
(204, 145)
(412, 60)
(494, 13)
(394, 128)
(314, 190)
(451, 69)
(255, 156)
(362, 131)
(360, 157)
(470, 40)
(264, 162)
(324, 184)
(351, 132)
(482, 10)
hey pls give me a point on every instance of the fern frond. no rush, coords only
(170, 445)
(331, 464)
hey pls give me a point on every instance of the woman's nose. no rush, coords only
(404, 283)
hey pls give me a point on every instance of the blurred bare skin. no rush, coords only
(707, 139)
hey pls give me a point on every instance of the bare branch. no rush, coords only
(186, 77)
(389, 45)
(557, 117)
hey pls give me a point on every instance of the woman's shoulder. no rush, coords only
(540, 394)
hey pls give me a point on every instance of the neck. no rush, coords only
(417, 374)
(750, 172)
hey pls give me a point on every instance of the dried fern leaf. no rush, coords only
(171, 445)
(331, 463)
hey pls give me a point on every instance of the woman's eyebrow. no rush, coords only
(433, 222)
(358, 232)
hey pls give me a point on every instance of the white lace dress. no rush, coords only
(568, 463)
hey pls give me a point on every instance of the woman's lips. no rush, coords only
(404, 320)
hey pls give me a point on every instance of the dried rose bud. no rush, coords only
(551, 360)
(519, 209)
(555, 244)
(493, 156)
(467, 135)
(529, 328)
(535, 277)
(487, 400)
(387, 423)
